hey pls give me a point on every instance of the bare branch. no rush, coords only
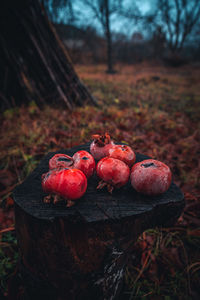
(178, 18)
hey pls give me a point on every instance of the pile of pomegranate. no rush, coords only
(67, 176)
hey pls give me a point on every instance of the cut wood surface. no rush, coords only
(82, 251)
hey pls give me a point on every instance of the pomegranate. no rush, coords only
(151, 177)
(100, 146)
(113, 172)
(69, 184)
(81, 160)
(85, 162)
(60, 161)
(124, 153)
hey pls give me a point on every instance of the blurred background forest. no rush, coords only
(70, 69)
(134, 31)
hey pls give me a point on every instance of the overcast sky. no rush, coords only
(125, 26)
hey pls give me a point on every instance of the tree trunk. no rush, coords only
(109, 40)
(34, 63)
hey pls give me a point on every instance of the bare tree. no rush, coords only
(103, 10)
(178, 19)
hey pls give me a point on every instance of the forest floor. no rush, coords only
(156, 110)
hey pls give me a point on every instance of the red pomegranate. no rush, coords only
(113, 172)
(124, 153)
(70, 184)
(151, 177)
(100, 146)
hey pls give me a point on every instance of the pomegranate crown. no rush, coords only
(101, 140)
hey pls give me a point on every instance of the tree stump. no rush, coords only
(81, 252)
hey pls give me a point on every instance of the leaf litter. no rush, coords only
(159, 118)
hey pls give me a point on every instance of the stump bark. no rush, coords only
(81, 252)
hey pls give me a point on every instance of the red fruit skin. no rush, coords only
(151, 177)
(100, 146)
(70, 184)
(100, 152)
(60, 161)
(85, 162)
(123, 153)
(113, 171)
